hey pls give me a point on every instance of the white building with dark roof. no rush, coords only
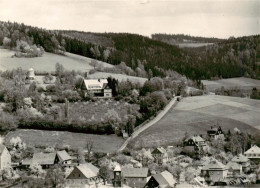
(96, 88)
(160, 155)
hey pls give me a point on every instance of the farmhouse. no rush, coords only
(160, 155)
(47, 160)
(96, 88)
(215, 132)
(64, 157)
(242, 160)
(83, 175)
(253, 154)
(194, 143)
(132, 177)
(234, 169)
(164, 179)
(5, 158)
(214, 171)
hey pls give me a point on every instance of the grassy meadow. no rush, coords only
(46, 62)
(195, 115)
(42, 138)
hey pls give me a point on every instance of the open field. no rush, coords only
(101, 143)
(243, 83)
(119, 77)
(195, 115)
(46, 62)
(193, 45)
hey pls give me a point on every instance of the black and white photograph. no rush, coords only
(129, 93)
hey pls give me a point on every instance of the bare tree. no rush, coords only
(89, 147)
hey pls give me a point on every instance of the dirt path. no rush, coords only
(149, 124)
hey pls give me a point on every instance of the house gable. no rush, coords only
(76, 174)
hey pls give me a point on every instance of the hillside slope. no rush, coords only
(46, 62)
(195, 115)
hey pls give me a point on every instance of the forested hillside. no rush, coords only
(179, 38)
(227, 58)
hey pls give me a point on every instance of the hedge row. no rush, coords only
(65, 126)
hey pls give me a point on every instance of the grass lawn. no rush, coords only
(195, 115)
(39, 138)
(46, 62)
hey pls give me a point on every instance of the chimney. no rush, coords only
(98, 80)
(85, 74)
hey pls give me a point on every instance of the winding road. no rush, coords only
(149, 124)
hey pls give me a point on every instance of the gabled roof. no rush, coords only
(234, 165)
(94, 84)
(88, 170)
(240, 158)
(214, 165)
(117, 168)
(254, 149)
(160, 150)
(169, 178)
(135, 172)
(63, 156)
(2, 147)
(196, 139)
(44, 158)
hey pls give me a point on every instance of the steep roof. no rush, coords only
(63, 156)
(94, 84)
(234, 165)
(44, 158)
(2, 147)
(88, 170)
(168, 177)
(135, 172)
(214, 165)
(196, 139)
(240, 158)
(254, 149)
(159, 149)
(117, 168)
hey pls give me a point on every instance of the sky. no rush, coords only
(208, 18)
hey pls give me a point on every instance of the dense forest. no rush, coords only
(226, 58)
(180, 38)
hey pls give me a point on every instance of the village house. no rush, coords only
(234, 169)
(5, 158)
(46, 160)
(163, 180)
(30, 74)
(64, 157)
(214, 171)
(215, 132)
(83, 175)
(160, 155)
(132, 177)
(96, 88)
(194, 143)
(242, 160)
(253, 153)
